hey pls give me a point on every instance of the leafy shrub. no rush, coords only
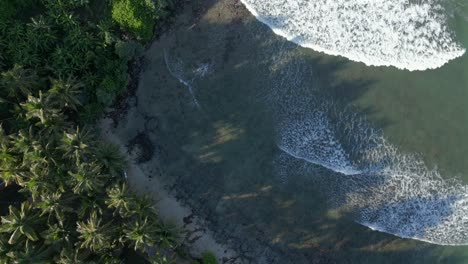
(90, 113)
(209, 258)
(9, 8)
(64, 4)
(7, 11)
(138, 16)
(128, 50)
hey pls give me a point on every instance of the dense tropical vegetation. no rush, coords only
(62, 62)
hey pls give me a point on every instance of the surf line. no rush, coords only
(349, 172)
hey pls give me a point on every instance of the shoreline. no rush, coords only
(196, 235)
(137, 123)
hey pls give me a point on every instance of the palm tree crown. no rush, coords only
(20, 223)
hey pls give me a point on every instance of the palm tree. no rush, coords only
(75, 144)
(11, 172)
(12, 167)
(37, 185)
(140, 233)
(57, 237)
(34, 154)
(72, 256)
(143, 207)
(25, 141)
(93, 235)
(54, 204)
(119, 199)
(64, 93)
(41, 108)
(165, 236)
(88, 204)
(20, 223)
(41, 34)
(29, 254)
(19, 82)
(88, 179)
(111, 158)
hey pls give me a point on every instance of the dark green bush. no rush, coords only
(138, 16)
(209, 258)
(9, 8)
(7, 11)
(128, 50)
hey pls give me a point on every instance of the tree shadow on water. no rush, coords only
(222, 159)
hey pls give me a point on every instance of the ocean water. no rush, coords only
(314, 150)
(400, 193)
(412, 35)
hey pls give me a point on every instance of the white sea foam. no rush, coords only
(386, 190)
(407, 199)
(412, 36)
(297, 142)
(389, 191)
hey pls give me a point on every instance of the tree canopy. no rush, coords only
(58, 70)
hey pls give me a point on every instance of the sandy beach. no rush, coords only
(143, 175)
(195, 234)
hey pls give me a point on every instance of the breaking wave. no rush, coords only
(387, 190)
(410, 35)
(384, 188)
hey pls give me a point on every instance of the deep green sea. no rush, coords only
(353, 144)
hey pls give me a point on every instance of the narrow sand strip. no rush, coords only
(197, 237)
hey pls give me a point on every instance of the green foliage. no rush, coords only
(128, 50)
(64, 4)
(58, 71)
(7, 11)
(20, 224)
(78, 58)
(9, 8)
(138, 16)
(109, 156)
(94, 235)
(79, 207)
(18, 82)
(65, 93)
(209, 258)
